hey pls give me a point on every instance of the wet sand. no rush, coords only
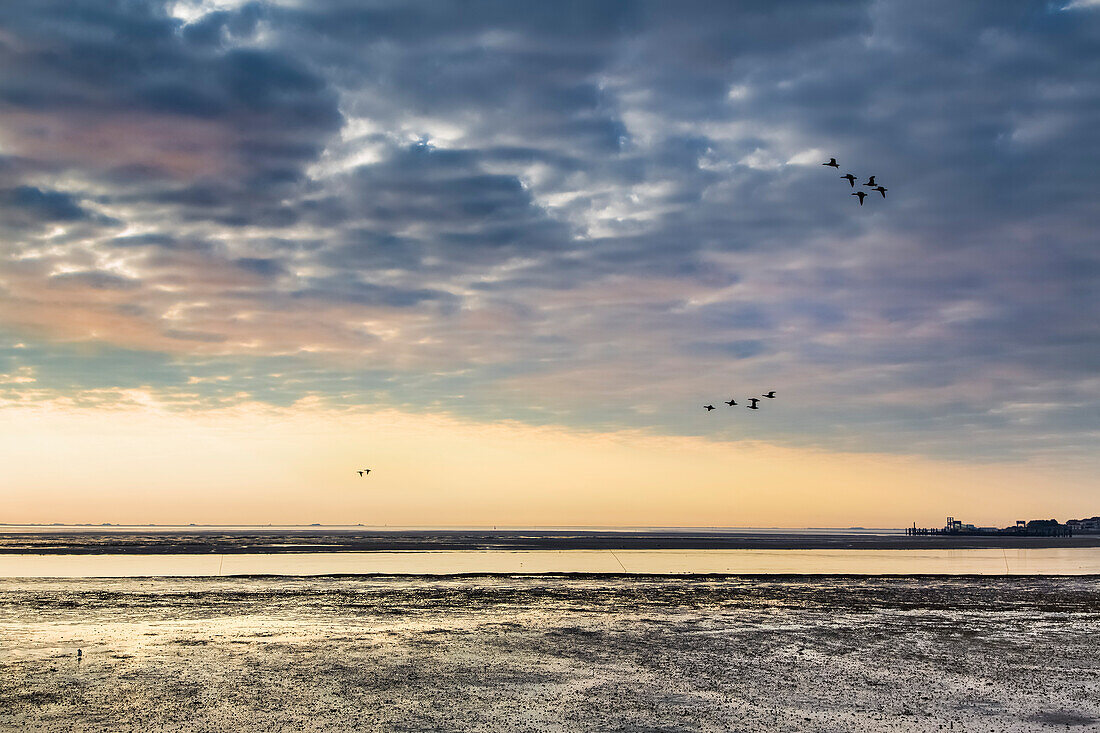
(214, 540)
(551, 653)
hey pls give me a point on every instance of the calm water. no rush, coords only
(1070, 561)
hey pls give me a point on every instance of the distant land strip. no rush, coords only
(314, 540)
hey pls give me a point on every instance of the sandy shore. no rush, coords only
(307, 539)
(551, 654)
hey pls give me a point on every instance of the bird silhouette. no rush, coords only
(871, 182)
(861, 195)
(881, 190)
(708, 408)
(770, 395)
(851, 180)
(732, 402)
(364, 472)
(753, 406)
(832, 163)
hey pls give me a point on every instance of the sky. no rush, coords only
(503, 253)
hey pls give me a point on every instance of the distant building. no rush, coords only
(1047, 528)
(1032, 528)
(956, 525)
(1086, 526)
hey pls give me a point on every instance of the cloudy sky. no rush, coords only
(553, 230)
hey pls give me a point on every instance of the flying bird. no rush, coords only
(753, 406)
(364, 472)
(832, 163)
(871, 182)
(861, 195)
(881, 190)
(770, 395)
(731, 403)
(708, 408)
(851, 180)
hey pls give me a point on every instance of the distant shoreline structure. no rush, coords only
(1022, 528)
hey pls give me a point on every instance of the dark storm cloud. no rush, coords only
(598, 211)
(266, 267)
(122, 90)
(348, 290)
(366, 249)
(144, 240)
(42, 205)
(212, 338)
(447, 190)
(95, 280)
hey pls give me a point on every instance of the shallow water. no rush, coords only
(1038, 561)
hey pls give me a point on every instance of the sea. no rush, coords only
(93, 551)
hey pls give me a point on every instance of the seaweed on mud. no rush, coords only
(37, 698)
(1062, 718)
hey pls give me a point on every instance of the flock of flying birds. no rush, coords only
(871, 184)
(851, 179)
(752, 402)
(852, 182)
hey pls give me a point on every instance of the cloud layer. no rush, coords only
(595, 214)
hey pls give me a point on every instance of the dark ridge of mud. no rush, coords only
(398, 594)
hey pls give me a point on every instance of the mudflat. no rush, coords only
(153, 541)
(551, 653)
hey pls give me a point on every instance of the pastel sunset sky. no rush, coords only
(503, 253)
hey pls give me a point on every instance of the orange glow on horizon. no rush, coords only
(259, 465)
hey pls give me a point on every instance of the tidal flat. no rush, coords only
(551, 653)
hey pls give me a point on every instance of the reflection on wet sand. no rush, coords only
(1040, 561)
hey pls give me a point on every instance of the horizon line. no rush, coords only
(427, 526)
